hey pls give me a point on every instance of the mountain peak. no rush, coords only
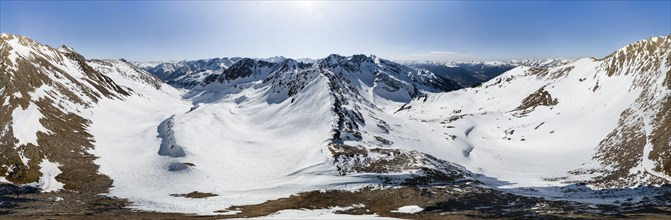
(66, 49)
(639, 57)
(649, 44)
(6, 36)
(332, 59)
(359, 58)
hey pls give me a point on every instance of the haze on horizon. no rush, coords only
(411, 30)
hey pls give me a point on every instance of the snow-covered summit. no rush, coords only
(187, 74)
(66, 49)
(551, 62)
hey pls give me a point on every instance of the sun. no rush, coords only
(306, 5)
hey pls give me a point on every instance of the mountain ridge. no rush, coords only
(186, 74)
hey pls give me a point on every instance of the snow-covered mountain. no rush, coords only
(245, 131)
(474, 73)
(600, 121)
(48, 96)
(552, 62)
(186, 74)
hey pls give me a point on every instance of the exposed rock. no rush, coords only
(195, 195)
(539, 98)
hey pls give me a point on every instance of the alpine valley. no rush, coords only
(338, 137)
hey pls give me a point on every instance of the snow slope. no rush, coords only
(48, 182)
(410, 209)
(553, 126)
(26, 123)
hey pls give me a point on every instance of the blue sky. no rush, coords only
(411, 30)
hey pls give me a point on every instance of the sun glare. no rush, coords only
(306, 5)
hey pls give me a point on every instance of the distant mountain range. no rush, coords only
(474, 73)
(188, 73)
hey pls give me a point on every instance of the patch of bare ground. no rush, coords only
(383, 140)
(452, 118)
(403, 107)
(537, 71)
(542, 72)
(195, 195)
(28, 203)
(540, 97)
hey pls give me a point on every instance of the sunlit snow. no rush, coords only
(26, 124)
(48, 182)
